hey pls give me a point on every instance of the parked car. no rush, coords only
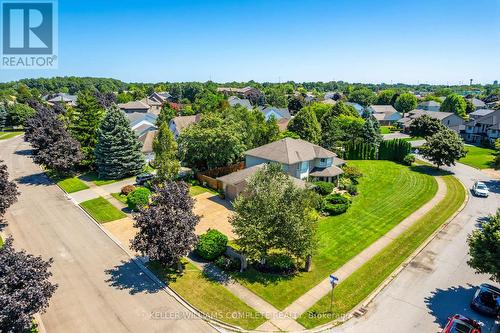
(480, 189)
(143, 178)
(461, 324)
(486, 300)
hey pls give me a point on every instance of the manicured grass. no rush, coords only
(209, 296)
(359, 285)
(196, 189)
(388, 193)
(413, 138)
(479, 157)
(101, 210)
(72, 184)
(385, 129)
(120, 197)
(92, 176)
(1, 242)
(8, 135)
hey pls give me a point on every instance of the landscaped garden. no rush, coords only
(479, 157)
(388, 193)
(368, 277)
(101, 210)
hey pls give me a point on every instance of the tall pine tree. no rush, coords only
(118, 152)
(86, 118)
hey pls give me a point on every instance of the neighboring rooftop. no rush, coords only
(283, 112)
(479, 104)
(429, 103)
(243, 175)
(481, 112)
(388, 109)
(134, 105)
(234, 100)
(181, 122)
(291, 151)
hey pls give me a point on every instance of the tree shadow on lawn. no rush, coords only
(443, 304)
(430, 170)
(24, 152)
(35, 179)
(252, 275)
(129, 276)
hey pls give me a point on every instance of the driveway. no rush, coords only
(214, 212)
(438, 282)
(100, 288)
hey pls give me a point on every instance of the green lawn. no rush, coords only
(92, 177)
(389, 192)
(359, 285)
(120, 197)
(479, 157)
(385, 129)
(196, 189)
(210, 297)
(72, 184)
(8, 135)
(101, 210)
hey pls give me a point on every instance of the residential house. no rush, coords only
(300, 159)
(147, 139)
(429, 106)
(160, 97)
(480, 113)
(356, 106)
(134, 106)
(278, 113)
(483, 129)
(479, 104)
(249, 93)
(235, 100)
(385, 114)
(178, 124)
(61, 98)
(329, 101)
(309, 98)
(448, 119)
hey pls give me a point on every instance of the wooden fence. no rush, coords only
(208, 177)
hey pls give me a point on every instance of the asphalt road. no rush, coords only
(100, 288)
(438, 283)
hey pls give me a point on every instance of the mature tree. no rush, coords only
(52, 145)
(105, 100)
(370, 132)
(405, 103)
(211, 143)
(444, 148)
(175, 92)
(484, 248)
(363, 96)
(337, 131)
(469, 108)
(306, 126)
(166, 227)
(84, 123)
(455, 104)
(340, 108)
(165, 148)
(8, 190)
(385, 97)
(274, 214)
(25, 288)
(167, 113)
(118, 152)
(209, 101)
(425, 126)
(295, 103)
(275, 96)
(319, 109)
(20, 113)
(3, 116)
(271, 130)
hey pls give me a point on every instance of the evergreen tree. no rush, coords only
(370, 133)
(165, 148)
(167, 112)
(118, 152)
(84, 124)
(3, 117)
(306, 125)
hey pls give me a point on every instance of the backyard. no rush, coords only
(479, 157)
(388, 193)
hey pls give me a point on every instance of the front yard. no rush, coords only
(479, 157)
(8, 135)
(368, 277)
(101, 210)
(389, 192)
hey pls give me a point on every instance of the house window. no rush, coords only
(322, 160)
(304, 166)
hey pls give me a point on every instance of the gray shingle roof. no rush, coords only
(331, 171)
(290, 151)
(481, 112)
(182, 122)
(429, 103)
(134, 105)
(244, 175)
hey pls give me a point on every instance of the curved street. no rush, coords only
(438, 283)
(100, 288)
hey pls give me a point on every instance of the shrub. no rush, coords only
(323, 188)
(127, 189)
(279, 263)
(211, 244)
(409, 159)
(227, 264)
(336, 204)
(138, 198)
(352, 189)
(352, 173)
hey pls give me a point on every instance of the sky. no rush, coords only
(418, 41)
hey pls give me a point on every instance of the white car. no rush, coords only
(480, 189)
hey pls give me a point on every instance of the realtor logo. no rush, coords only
(29, 34)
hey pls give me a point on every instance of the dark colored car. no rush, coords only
(486, 300)
(461, 324)
(143, 178)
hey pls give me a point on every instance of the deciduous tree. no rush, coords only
(363, 96)
(8, 190)
(166, 227)
(425, 126)
(444, 148)
(19, 114)
(405, 103)
(385, 97)
(455, 104)
(306, 126)
(165, 148)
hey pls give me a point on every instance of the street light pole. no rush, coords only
(333, 281)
